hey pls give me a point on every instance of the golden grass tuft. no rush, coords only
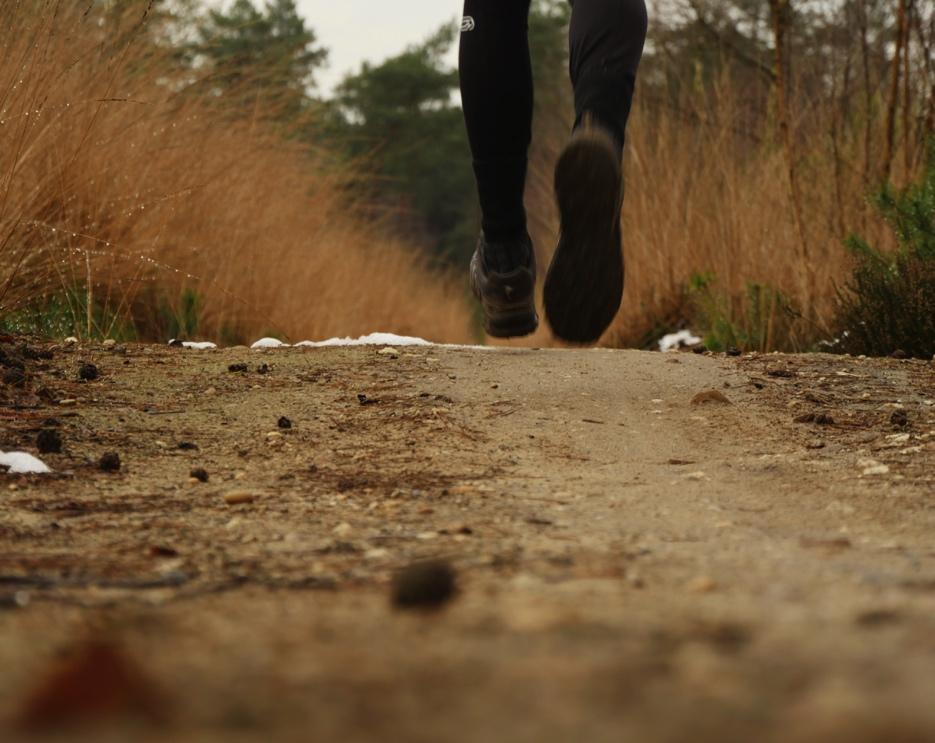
(707, 194)
(116, 179)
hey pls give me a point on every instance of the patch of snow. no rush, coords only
(374, 339)
(198, 346)
(21, 463)
(269, 343)
(675, 341)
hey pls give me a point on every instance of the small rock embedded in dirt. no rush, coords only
(263, 369)
(710, 396)
(364, 400)
(389, 351)
(822, 419)
(343, 529)
(188, 446)
(815, 445)
(284, 422)
(88, 372)
(899, 418)
(109, 343)
(734, 351)
(699, 349)
(110, 462)
(200, 474)
(239, 497)
(161, 550)
(49, 441)
(781, 373)
(424, 585)
(242, 368)
(702, 584)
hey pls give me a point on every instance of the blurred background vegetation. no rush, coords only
(174, 168)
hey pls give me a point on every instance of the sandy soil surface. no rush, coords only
(633, 563)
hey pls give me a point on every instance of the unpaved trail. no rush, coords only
(632, 566)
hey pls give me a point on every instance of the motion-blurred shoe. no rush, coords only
(503, 278)
(584, 284)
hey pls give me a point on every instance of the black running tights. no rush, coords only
(606, 43)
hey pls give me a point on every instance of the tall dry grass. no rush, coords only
(118, 181)
(708, 192)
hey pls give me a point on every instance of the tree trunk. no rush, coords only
(780, 17)
(893, 102)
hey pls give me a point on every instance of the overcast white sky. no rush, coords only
(372, 30)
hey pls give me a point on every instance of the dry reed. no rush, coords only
(116, 179)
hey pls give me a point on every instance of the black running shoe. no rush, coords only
(584, 284)
(503, 278)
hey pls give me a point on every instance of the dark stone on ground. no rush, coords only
(899, 418)
(284, 422)
(237, 368)
(110, 462)
(734, 351)
(49, 441)
(200, 474)
(188, 446)
(424, 585)
(88, 372)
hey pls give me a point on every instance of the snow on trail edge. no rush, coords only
(21, 463)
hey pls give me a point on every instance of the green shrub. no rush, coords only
(758, 321)
(889, 304)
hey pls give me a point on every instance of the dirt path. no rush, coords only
(632, 566)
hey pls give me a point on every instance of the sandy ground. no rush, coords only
(631, 565)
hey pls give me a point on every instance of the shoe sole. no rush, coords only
(510, 324)
(584, 284)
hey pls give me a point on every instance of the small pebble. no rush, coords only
(109, 343)
(424, 585)
(284, 422)
(343, 530)
(88, 372)
(200, 474)
(702, 584)
(188, 446)
(110, 462)
(239, 497)
(237, 368)
(899, 418)
(49, 441)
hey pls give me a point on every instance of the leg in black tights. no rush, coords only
(496, 93)
(606, 42)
